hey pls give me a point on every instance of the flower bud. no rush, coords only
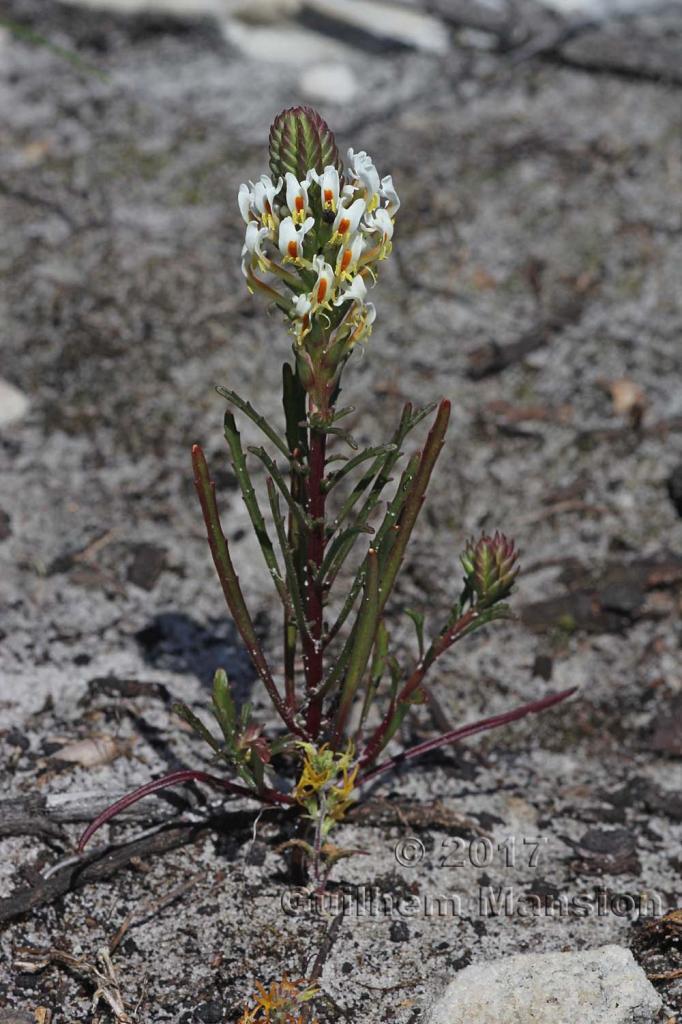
(491, 567)
(301, 141)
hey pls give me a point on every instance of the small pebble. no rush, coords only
(13, 403)
(329, 83)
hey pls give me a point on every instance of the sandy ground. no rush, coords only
(537, 198)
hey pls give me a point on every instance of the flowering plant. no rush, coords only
(315, 232)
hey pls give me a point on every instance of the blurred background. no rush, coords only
(535, 281)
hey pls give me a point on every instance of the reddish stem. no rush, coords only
(312, 645)
(268, 796)
(483, 725)
(441, 645)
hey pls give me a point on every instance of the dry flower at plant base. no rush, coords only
(315, 234)
(283, 1002)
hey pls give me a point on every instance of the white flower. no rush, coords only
(389, 193)
(253, 241)
(302, 305)
(347, 220)
(297, 197)
(329, 188)
(264, 192)
(364, 170)
(380, 221)
(363, 323)
(357, 292)
(245, 200)
(322, 289)
(347, 259)
(291, 237)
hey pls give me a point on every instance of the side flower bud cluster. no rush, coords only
(314, 236)
(491, 567)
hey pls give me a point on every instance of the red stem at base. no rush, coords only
(483, 725)
(268, 796)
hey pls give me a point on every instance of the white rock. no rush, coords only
(13, 403)
(420, 31)
(597, 986)
(262, 12)
(282, 44)
(179, 8)
(330, 83)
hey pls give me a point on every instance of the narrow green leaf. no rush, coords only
(293, 581)
(377, 669)
(294, 507)
(251, 501)
(413, 502)
(351, 464)
(231, 588)
(255, 417)
(365, 632)
(223, 705)
(418, 619)
(186, 713)
(340, 547)
(293, 399)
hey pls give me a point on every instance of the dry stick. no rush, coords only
(483, 725)
(101, 864)
(231, 588)
(77, 874)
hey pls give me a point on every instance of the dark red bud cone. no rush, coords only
(301, 140)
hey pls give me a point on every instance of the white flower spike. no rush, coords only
(318, 233)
